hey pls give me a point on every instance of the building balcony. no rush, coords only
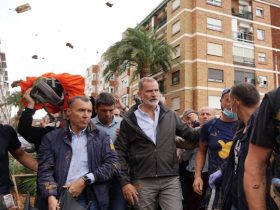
(94, 94)
(113, 83)
(125, 91)
(243, 37)
(160, 23)
(94, 82)
(245, 61)
(3, 65)
(95, 69)
(242, 13)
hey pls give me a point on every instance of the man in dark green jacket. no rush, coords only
(147, 151)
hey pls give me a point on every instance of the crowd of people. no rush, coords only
(110, 157)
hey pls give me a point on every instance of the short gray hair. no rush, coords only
(145, 79)
(75, 98)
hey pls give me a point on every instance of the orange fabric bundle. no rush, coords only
(73, 85)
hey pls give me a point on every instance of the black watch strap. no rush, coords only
(86, 179)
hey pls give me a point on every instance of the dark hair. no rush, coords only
(75, 98)
(105, 99)
(247, 93)
(92, 100)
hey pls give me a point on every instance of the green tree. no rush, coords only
(139, 49)
(14, 100)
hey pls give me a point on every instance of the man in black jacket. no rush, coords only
(31, 133)
(147, 151)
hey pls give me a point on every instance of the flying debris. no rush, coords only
(109, 4)
(16, 83)
(69, 45)
(23, 8)
(35, 56)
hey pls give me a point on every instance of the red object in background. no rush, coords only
(73, 85)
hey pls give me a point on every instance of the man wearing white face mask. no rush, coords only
(215, 139)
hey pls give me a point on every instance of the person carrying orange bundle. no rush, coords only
(52, 91)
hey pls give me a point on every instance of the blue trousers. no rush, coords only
(82, 201)
(117, 201)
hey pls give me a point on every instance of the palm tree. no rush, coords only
(139, 49)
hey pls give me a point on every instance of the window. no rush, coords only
(260, 34)
(161, 86)
(215, 75)
(244, 76)
(124, 100)
(2, 56)
(93, 89)
(214, 49)
(214, 24)
(94, 76)
(243, 51)
(175, 103)
(124, 84)
(175, 4)
(262, 80)
(176, 52)
(261, 57)
(259, 12)
(243, 54)
(215, 2)
(175, 77)
(214, 102)
(176, 27)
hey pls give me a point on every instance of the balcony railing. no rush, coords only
(244, 60)
(94, 82)
(160, 23)
(113, 83)
(243, 36)
(242, 13)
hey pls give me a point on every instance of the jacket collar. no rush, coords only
(91, 128)
(130, 113)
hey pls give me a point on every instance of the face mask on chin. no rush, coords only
(229, 114)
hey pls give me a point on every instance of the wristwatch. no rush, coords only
(86, 179)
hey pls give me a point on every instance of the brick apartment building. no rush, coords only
(5, 111)
(218, 44)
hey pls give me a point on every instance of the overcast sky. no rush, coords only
(89, 25)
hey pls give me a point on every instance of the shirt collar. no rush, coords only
(114, 121)
(82, 132)
(144, 113)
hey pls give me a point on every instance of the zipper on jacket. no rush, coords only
(69, 162)
(155, 152)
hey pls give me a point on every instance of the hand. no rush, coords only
(213, 177)
(30, 101)
(76, 187)
(119, 104)
(198, 185)
(53, 203)
(130, 194)
(179, 155)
